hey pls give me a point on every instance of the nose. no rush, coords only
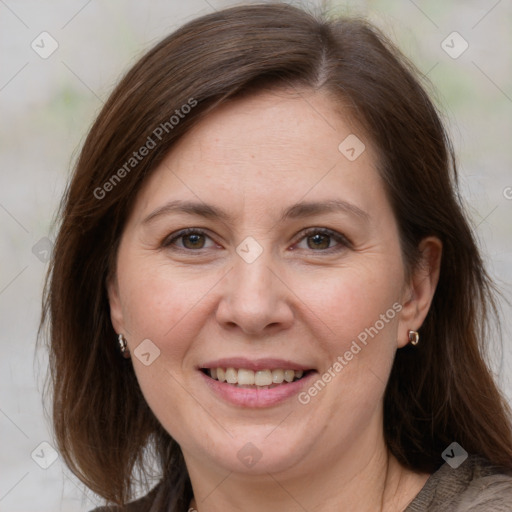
(255, 299)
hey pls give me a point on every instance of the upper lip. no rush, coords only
(255, 364)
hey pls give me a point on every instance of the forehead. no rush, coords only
(276, 126)
(271, 147)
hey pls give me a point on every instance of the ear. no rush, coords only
(116, 310)
(419, 291)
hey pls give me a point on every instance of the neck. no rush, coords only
(377, 482)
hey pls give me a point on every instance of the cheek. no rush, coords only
(159, 298)
(356, 327)
(347, 302)
(166, 396)
(162, 304)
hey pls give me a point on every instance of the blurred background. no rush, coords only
(61, 59)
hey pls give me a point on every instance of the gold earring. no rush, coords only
(414, 337)
(123, 346)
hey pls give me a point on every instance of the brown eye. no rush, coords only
(319, 241)
(323, 240)
(189, 240)
(193, 241)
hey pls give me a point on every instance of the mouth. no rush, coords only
(255, 379)
(255, 383)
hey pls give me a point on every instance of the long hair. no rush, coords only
(442, 391)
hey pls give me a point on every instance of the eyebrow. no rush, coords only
(298, 210)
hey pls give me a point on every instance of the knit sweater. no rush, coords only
(475, 486)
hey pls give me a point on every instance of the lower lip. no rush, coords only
(256, 398)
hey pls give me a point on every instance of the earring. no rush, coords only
(414, 337)
(123, 346)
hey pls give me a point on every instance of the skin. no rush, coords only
(253, 158)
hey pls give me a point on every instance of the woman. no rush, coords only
(264, 223)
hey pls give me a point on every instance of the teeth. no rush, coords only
(288, 375)
(231, 376)
(277, 376)
(244, 377)
(263, 378)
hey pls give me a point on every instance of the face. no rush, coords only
(258, 245)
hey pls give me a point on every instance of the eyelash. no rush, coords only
(343, 242)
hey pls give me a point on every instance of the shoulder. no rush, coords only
(489, 490)
(475, 486)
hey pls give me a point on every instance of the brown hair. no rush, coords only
(440, 391)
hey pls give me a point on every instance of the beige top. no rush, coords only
(475, 486)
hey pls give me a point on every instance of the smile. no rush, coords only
(255, 388)
(263, 379)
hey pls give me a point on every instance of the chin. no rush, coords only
(253, 451)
